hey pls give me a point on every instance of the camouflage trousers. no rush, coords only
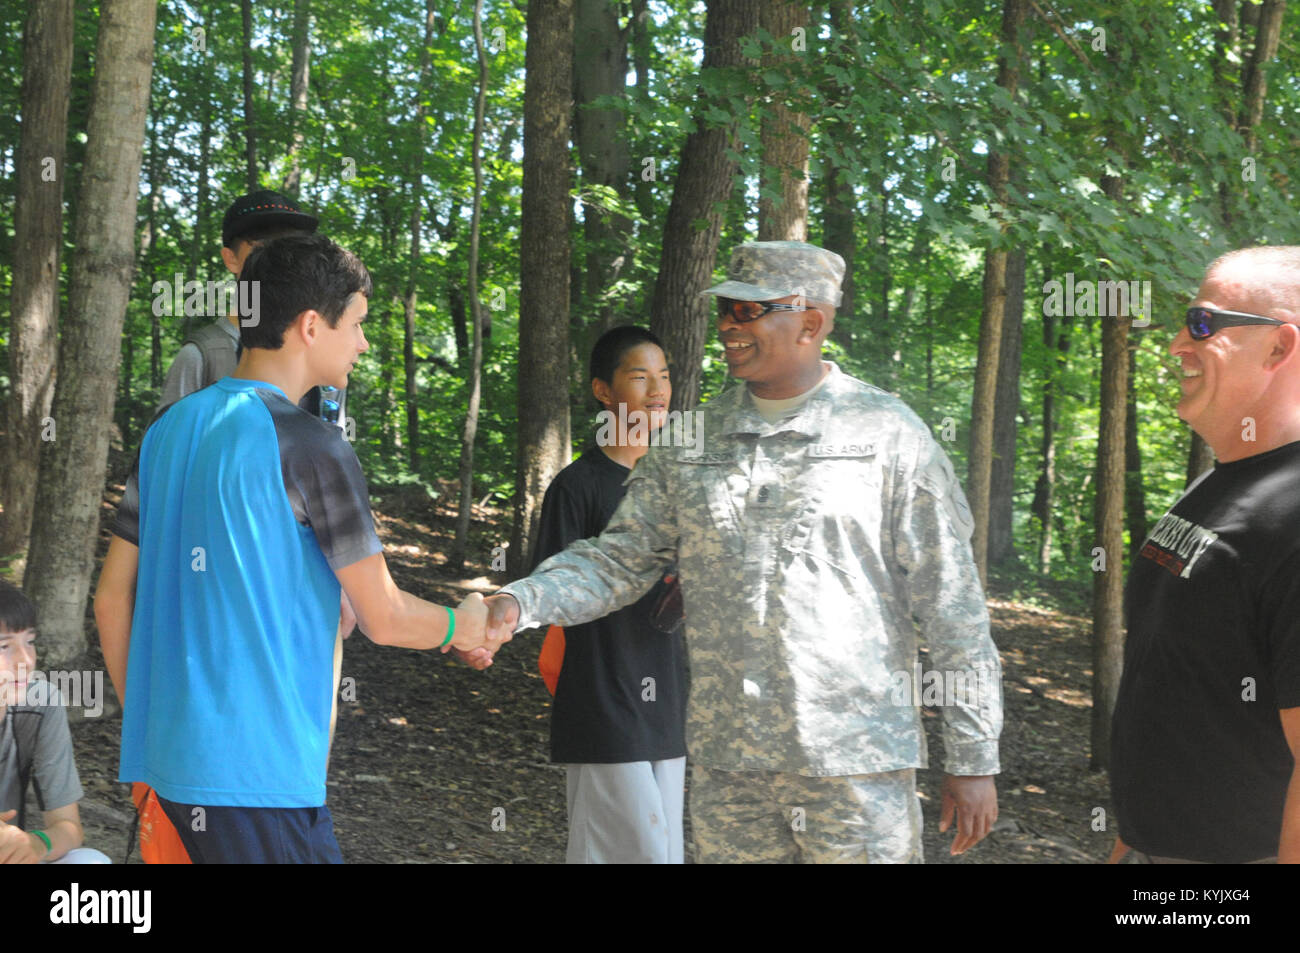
(765, 817)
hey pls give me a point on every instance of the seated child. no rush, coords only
(35, 751)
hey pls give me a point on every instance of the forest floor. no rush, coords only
(434, 762)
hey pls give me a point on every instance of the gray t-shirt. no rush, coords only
(54, 778)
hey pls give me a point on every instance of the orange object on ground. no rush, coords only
(551, 659)
(159, 842)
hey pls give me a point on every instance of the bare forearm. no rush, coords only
(64, 836)
(113, 619)
(412, 623)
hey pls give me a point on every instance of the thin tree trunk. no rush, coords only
(38, 231)
(298, 91)
(679, 316)
(639, 25)
(995, 271)
(1135, 495)
(148, 236)
(1056, 343)
(543, 397)
(465, 511)
(409, 301)
(839, 234)
(784, 136)
(602, 147)
(1108, 521)
(71, 479)
(1002, 486)
(1255, 80)
(250, 140)
(883, 329)
(199, 244)
(1226, 39)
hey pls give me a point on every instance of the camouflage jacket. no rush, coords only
(808, 551)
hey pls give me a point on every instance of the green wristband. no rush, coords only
(44, 837)
(451, 627)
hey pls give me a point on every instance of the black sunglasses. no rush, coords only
(742, 312)
(1203, 322)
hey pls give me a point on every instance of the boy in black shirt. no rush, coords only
(1206, 733)
(620, 702)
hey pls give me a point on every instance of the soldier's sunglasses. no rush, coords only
(742, 312)
(1204, 322)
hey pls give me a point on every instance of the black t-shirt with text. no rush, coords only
(1200, 764)
(621, 694)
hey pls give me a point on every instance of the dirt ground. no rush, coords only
(436, 763)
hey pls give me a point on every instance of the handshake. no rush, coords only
(482, 627)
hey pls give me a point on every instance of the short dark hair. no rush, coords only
(17, 614)
(296, 274)
(608, 352)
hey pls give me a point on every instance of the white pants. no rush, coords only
(627, 813)
(82, 855)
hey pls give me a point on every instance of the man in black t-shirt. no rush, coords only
(1206, 733)
(620, 701)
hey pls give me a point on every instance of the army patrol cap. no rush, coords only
(764, 271)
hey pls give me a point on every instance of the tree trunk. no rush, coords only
(1056, 338)
(1135, 500)
(199, 244)
(298, 92)
(463, 514)
(1108, 585)
(1254, 80)
(38, 231)
(839, 214)
(679, 316)
(995, 272)
(72, 467)
(1006, 417)
(543, 395)
(1226, 39)
(602, 148)
(1108, 517)
(145, 260)
(639, 25)
(250, 139)
(783, 184)
(409, 300)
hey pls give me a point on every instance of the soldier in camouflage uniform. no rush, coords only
(814, 521)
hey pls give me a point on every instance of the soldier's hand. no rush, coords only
(974, 799)
(503, 616)
(471, 624)
(479, 658)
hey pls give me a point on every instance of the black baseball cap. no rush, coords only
(262, 208)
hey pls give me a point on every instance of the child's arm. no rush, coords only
(62, 827)
(389, 616)
(114, 605)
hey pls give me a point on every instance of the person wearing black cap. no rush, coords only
(209, 351)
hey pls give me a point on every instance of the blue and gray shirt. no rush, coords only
(243, 507)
